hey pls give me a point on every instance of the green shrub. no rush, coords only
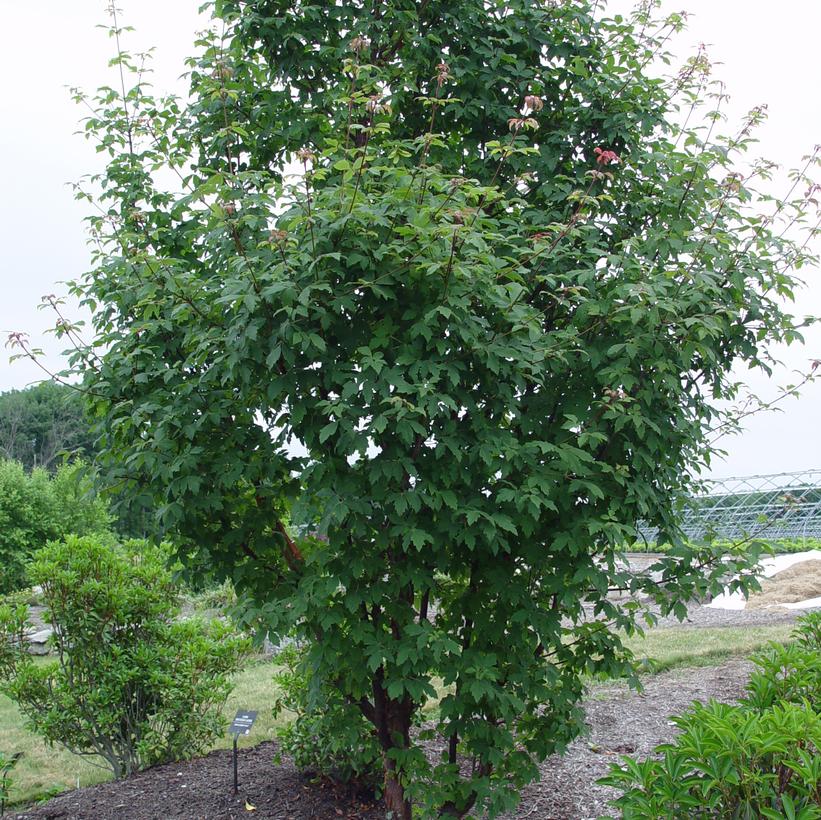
(729, 762)
(328, 738)
(36, 508)
(808, 631)
(27, 520)
(221, 597)
(79, 510)
(7, 763)
(790, 674)
(130, 684)
(795, 544)
(760, 758)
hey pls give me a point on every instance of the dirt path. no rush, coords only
(621, 722)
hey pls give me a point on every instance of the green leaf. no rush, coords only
(327, 431)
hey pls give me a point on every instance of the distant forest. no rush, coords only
(44, 426)
(41, 425)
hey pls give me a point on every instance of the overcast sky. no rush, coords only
(768, 54)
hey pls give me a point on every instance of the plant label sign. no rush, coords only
(242, 723)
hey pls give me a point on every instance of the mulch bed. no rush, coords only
(201, 789)
(621, 722)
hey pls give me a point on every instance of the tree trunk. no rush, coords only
(396, 736)
(397, 805)
(393, 721)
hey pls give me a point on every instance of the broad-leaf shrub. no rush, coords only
(43, 424)
(7, 763)
(759, 758)
(328, 736)
(130, 684)
(729, 762)
(808, 631)
(37, 507)
(789, 673)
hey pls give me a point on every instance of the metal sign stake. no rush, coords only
(241, 725)
(236, 785)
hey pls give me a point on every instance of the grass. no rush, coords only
(668, 648)
(41, 770)
(44, 771)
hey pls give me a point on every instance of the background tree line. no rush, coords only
(48, 487)
(40, 424)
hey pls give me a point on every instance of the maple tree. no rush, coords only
(456, 287)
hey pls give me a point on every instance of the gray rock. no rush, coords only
(39, 642)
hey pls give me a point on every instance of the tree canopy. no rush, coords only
(456, 287)
(41, 424)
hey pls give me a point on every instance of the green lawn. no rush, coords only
(43, 770)
(704, 646)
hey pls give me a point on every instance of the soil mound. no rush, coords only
(800, 582)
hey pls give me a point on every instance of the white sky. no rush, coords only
(768, 54)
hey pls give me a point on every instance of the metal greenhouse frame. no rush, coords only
(776, 507)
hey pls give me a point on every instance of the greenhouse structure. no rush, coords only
(781, 506)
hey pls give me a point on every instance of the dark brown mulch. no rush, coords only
(621, 721)
(201, 789)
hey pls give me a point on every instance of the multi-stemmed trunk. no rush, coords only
(393, 721)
